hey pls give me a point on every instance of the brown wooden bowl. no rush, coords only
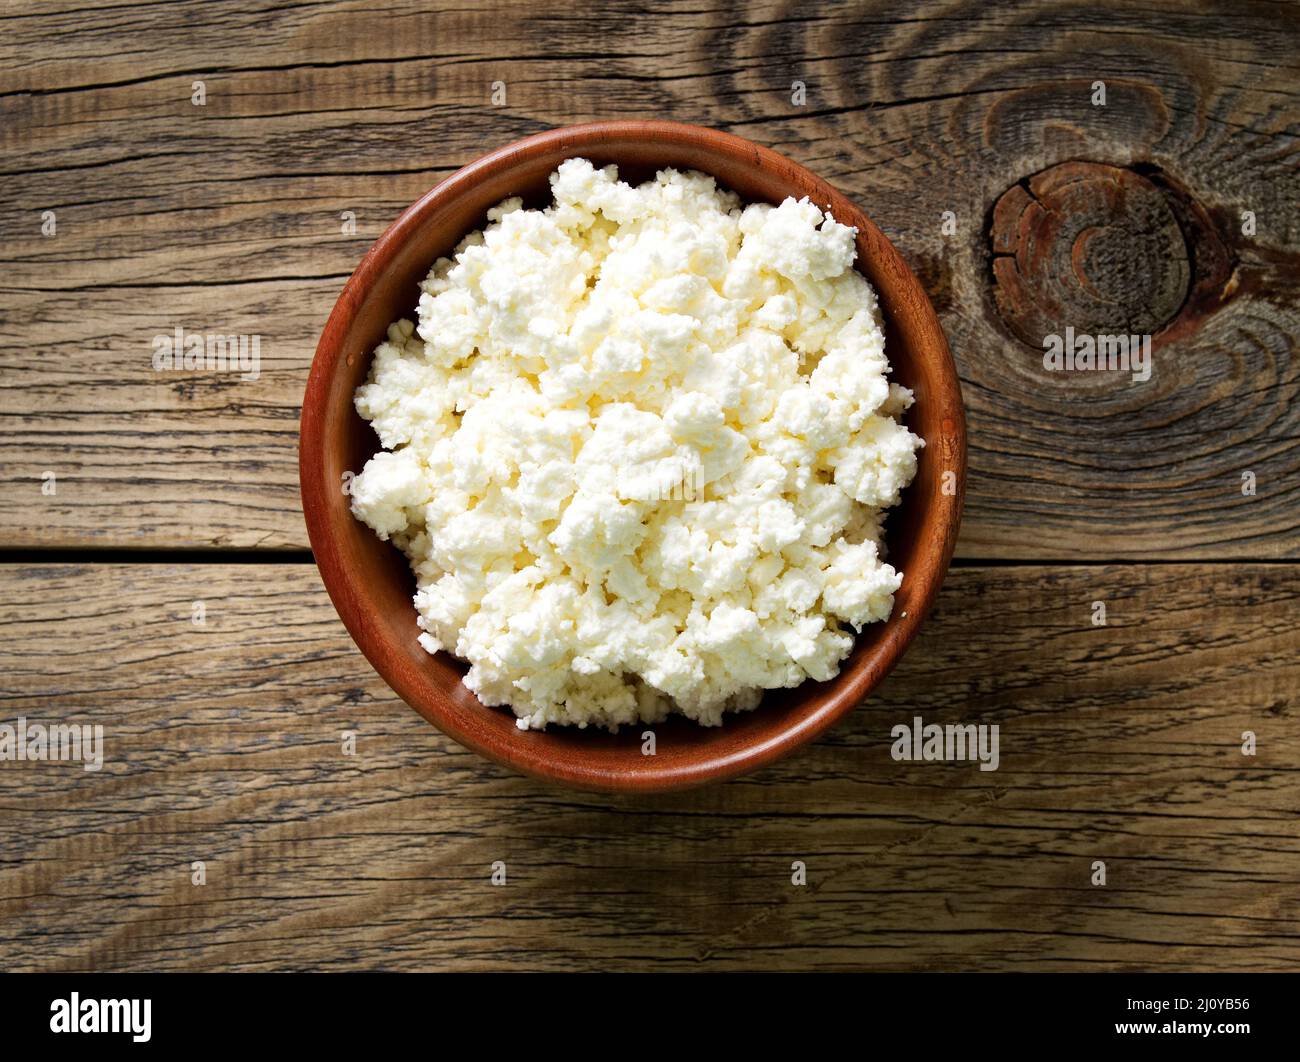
(369, 580)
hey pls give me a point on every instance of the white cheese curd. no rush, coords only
(637, 451)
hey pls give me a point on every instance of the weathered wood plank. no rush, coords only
(1118, 743)
(226, 218)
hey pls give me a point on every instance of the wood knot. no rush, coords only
(1091, 246)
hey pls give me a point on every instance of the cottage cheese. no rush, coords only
(638, 449)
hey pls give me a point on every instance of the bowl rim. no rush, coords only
(852, 686)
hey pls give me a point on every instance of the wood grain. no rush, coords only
(227, 218)
(1118, 743)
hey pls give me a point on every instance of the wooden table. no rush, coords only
(130, 209)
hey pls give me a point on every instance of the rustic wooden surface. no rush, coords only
(223, 745)
(1119, 743)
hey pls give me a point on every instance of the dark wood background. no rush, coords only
(1120, 743)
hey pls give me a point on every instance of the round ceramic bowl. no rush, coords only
(369, 580)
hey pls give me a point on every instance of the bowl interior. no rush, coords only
(371, 584)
